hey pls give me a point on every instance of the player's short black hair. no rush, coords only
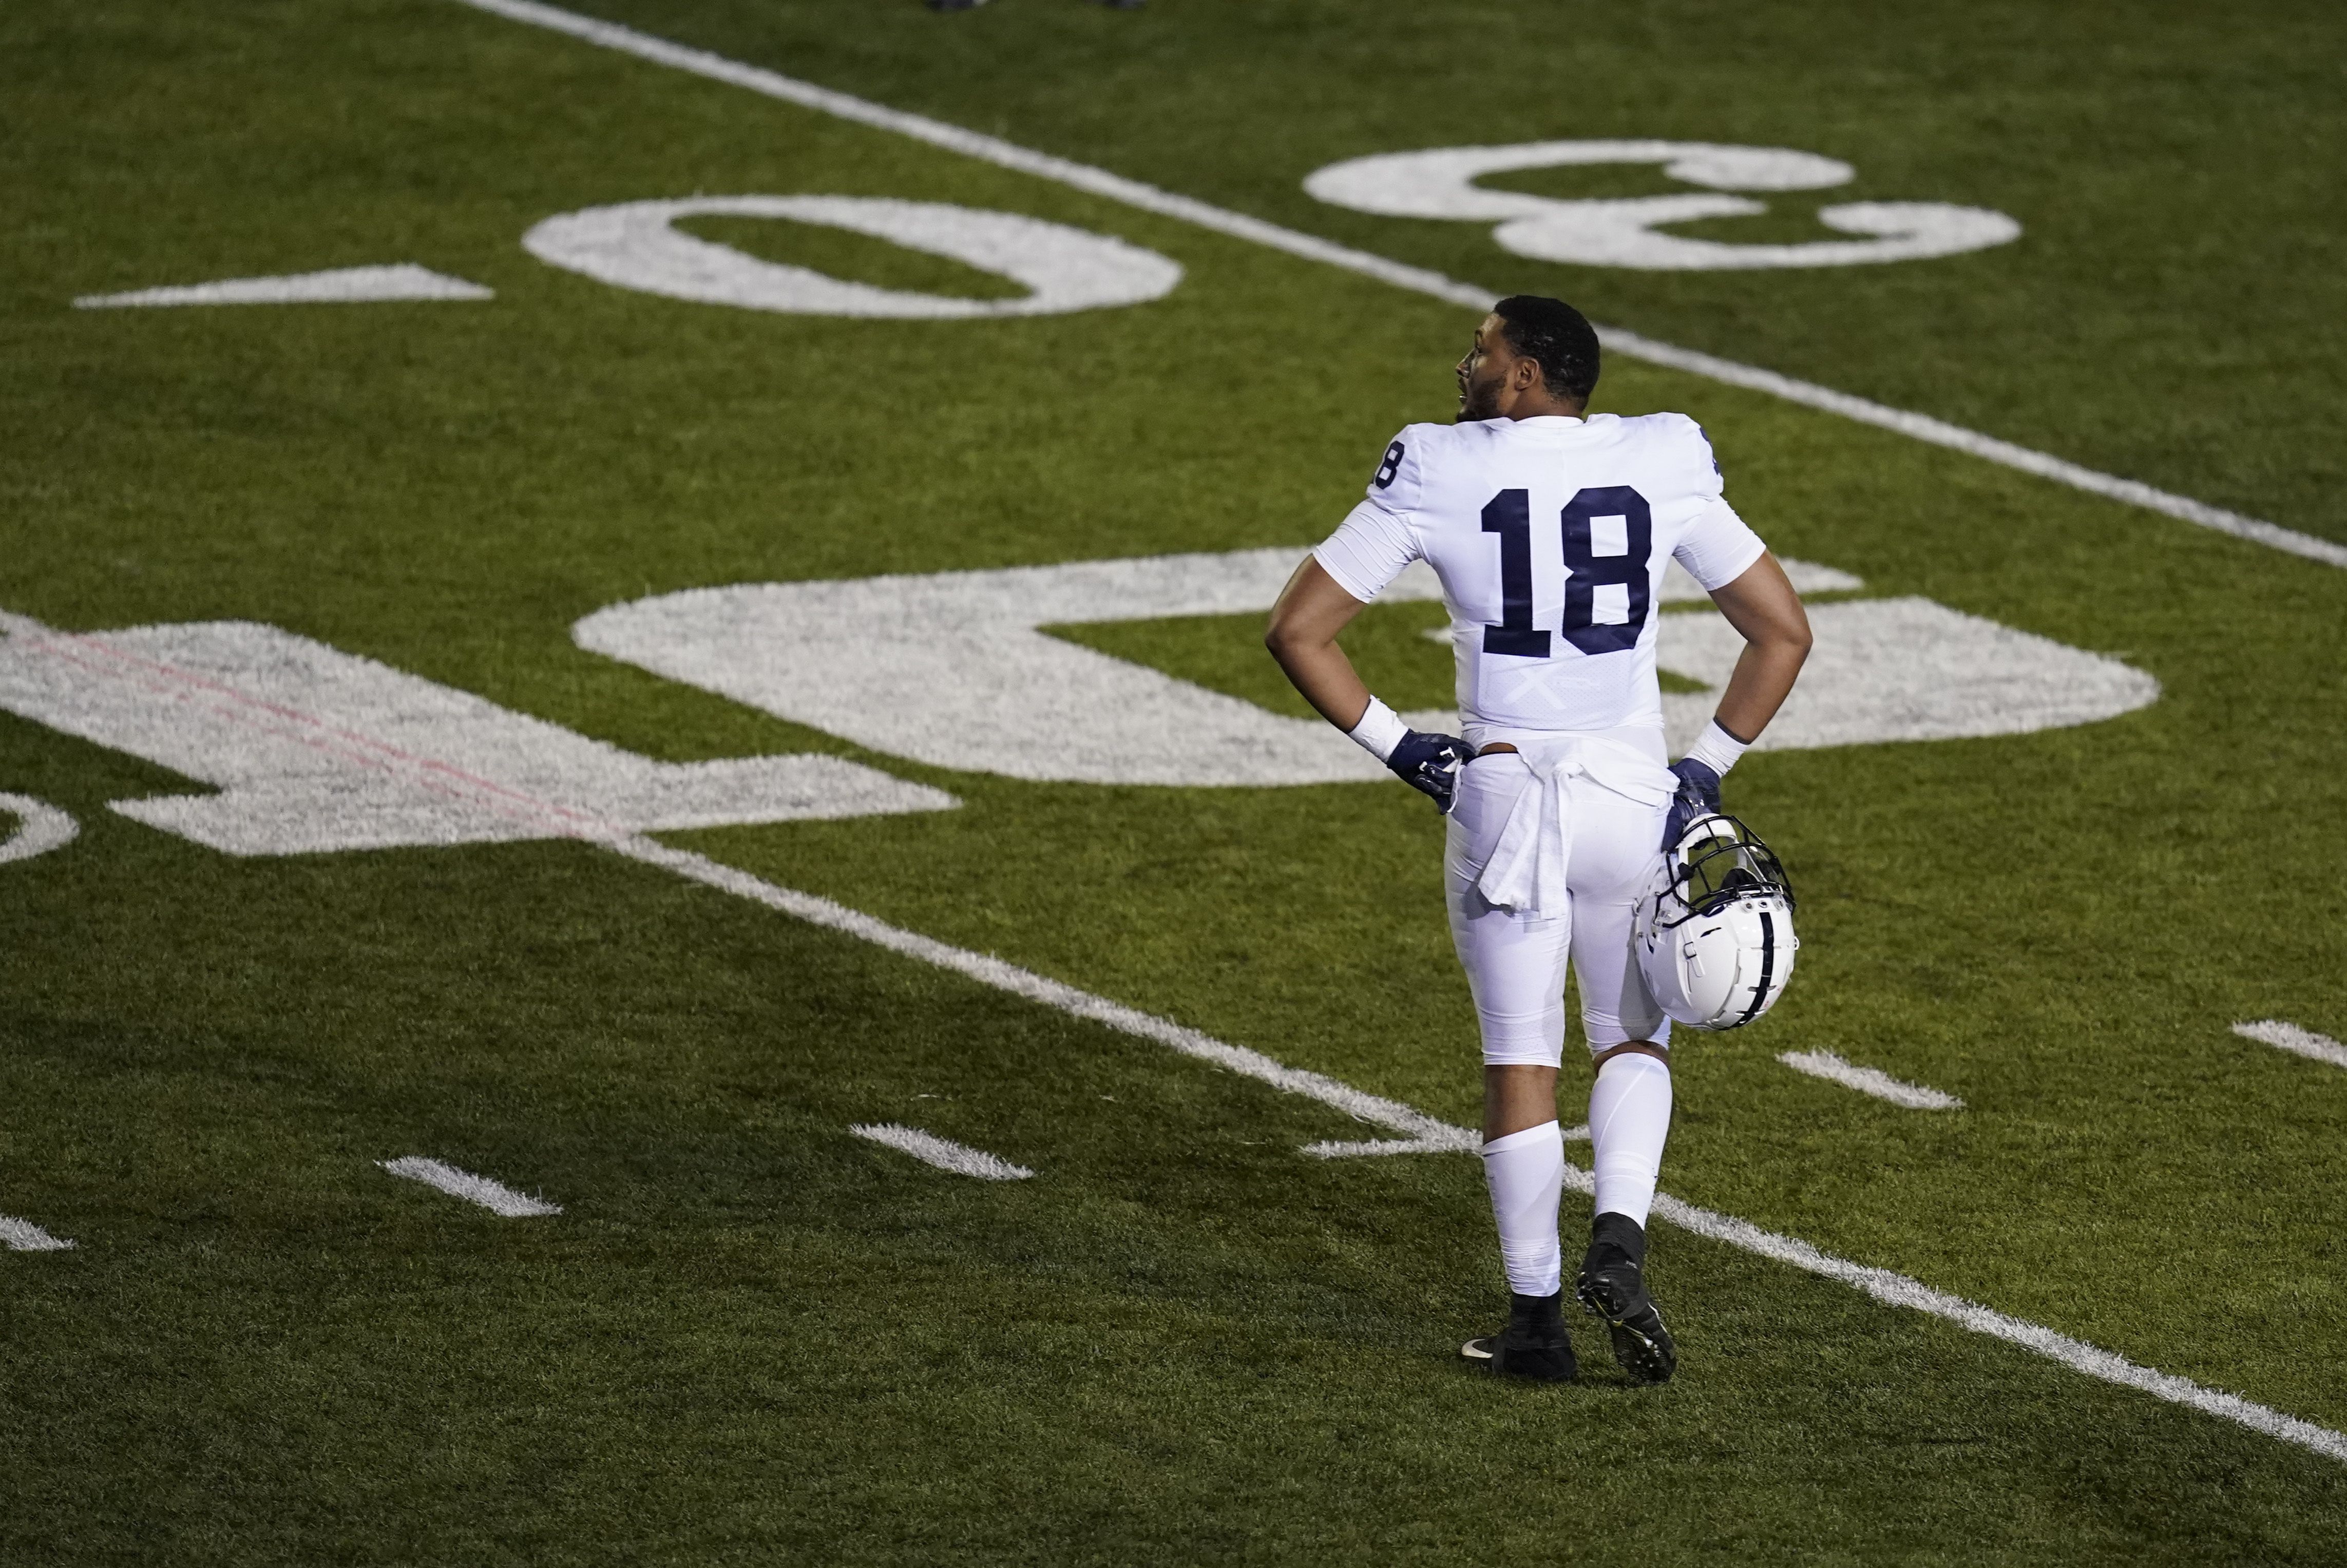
(1556, 335)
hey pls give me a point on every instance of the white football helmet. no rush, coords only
(1715, 933)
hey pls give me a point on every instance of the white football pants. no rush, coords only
(1515, 962)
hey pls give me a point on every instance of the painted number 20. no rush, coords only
(1509, 515)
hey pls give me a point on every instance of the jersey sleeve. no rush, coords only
(1376, 541)
(1368, 550)
(1718, 547)
(1400, 474)
(1702, 462)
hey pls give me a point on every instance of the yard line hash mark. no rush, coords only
(1376, 1146)
(943, 1152)
(494, 1196)
(1442, 1145)
(1871, 1081)
(1424, 1134)
(2273, 1032)
(24, 1235)
(1418, 280)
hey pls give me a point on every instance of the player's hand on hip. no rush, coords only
(1698, 796)
(1431, 764)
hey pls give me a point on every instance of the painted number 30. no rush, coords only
(1635, 231)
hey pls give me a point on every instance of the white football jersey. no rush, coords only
(1550, 537)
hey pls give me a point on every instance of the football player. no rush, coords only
(1551, 528)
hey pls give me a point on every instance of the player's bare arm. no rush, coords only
(1312, 609)
(1762, 605)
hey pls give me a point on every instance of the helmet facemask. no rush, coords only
(1715, 934)
(1718, 859)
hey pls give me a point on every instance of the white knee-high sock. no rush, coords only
(1629, 1117)
(1526, 1172)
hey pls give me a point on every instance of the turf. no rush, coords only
(752, 1336)
(2172, 312)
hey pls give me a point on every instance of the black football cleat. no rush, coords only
(1613, 1286)
(1533, 1346)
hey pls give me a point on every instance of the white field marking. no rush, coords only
(494, 1196)
(990, 970)
(24, 1235)
(1444, 1145)
(1892, 1288)
(1440, 182)
(2290, 1036)
(1903, 669)
(1899, 1291)
(1418, 280)
(985, 688)
(1376, 1146)
(636, 245)
(1871, 1081)
(1427, 1134)
(317, 750)
(1939, 432)
(40, 827)
(943, 1152)
(343, 285)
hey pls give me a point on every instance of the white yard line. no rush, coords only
(1871, 1081)
(2273, 1032)
(986, 970)
(1425, 1134)
(1418, 280)
(24, 1235)
(1939, 432)
(494, 1196)
(1898, 1290)
(943, 1152)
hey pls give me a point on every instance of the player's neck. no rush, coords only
(1537, 404)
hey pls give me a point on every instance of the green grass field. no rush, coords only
(753, 1337)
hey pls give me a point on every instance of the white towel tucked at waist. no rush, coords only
(1526, 870)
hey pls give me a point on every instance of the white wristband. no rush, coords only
(1379, 730)
(1715, 749)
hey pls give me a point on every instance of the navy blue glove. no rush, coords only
(1698, 796)
(1429, 764)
